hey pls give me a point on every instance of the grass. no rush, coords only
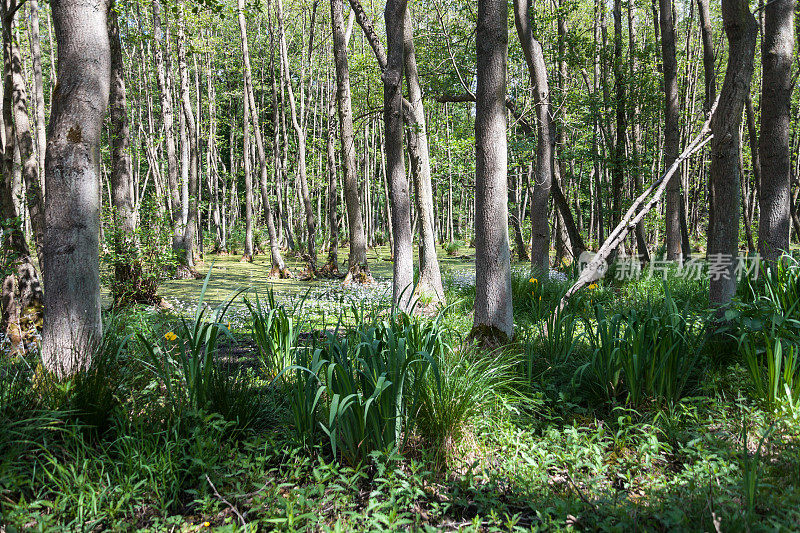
(590, 420)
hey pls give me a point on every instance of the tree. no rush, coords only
(72, 322)
(741, 31)
(127, 267)
(429, 286)
(671, 129)
(494, 318)
(777, 50)
(542, 178)
(357, 266)
(403, 268)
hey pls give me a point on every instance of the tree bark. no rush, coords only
(299, 129)
(164, 78)
(72, 323)
(429, 286)
(22, 126)
(127, 268)
(543, 177)
(38, 86)
(358, 268)
(671, 130)
(190, 231)
(741, 30)
(494, 317)
(403, 267)
(777, 48)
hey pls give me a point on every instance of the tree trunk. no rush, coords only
(189, 233)
(494, 317)
(774, 224)
(671, 130)
(429, 287)
(164, 78)
(22, 126)
(403, 267)
(543, 177)
(741, 30)
(38, 86)
(72, 324)
(618, 158)
(358, 269)
(248, 185)
(299, 129)
(332, 267)
(127, 268)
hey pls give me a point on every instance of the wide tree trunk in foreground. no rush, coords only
(542, 178)
(776, 99)
(332, 265)
(403, 271)
(494, 315)
(357, 267)
(72, 323)
(741, 30)
(671, 129)
(429, 287)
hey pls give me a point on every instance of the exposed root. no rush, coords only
(330, 270)
(358, 274)
(277, 273)
(246, 259)
(187, 272)
(489, 337)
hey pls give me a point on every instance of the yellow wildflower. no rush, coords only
(592, 287)
(534, 280)
(170, 336)
(206, 524)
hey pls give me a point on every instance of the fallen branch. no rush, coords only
(226, 502)
(637, 212)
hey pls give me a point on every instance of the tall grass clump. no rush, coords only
(275, 331)
(470, 384)
(648, 354)
(773, 365)
(194, 380)
(361, 388)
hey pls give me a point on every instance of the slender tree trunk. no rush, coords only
(777, 49)
(741, 30)
(248, 185)
(332, 268)
(38, 86)
(671, 130)
(403, 271)
(22, 127)
(72, 323)
(164, 78)
(311, 223)
(358, 269)
(187, 246)
(620, 103)
(542, 178)
(493, 310)
(429, 287)
(127, 269)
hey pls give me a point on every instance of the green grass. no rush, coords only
(198, 429)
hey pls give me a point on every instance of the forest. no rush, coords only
(428, 265)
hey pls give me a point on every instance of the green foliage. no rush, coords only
(469, 386)
(137, 264)
(649, 353)
(192, 376)
(773, 365)
(275, 331)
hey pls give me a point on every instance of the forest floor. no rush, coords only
(529, 437)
